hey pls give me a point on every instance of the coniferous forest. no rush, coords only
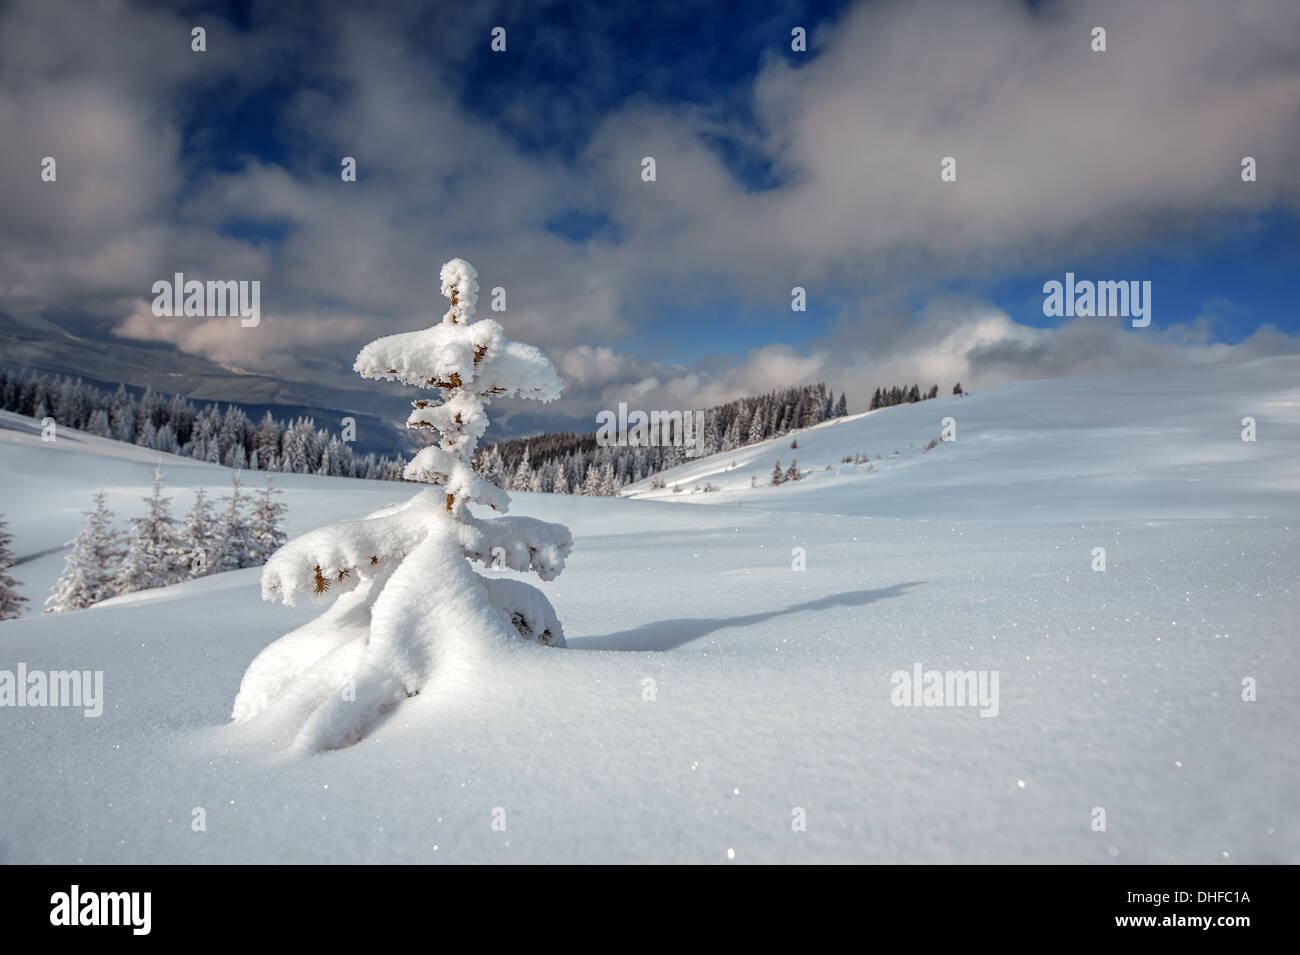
(173, 424)
(576, 464)
(563, 463)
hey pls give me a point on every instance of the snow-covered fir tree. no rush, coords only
(153, 555)
(121, 416)
(233, 544)
(542, 480)
(98, 424)
(89, 570)
(165, 439)
(198, 537)
(11, 602)
(523, 478)
(758, 426)
(606, 486)
(409, 605)
(265, 524)
(792, 473)
(778, 476)
(591, 482)
(493, 467)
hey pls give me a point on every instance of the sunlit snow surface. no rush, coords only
(711, 691)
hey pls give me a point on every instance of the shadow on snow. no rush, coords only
(669, 634)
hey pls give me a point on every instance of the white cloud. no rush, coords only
(1059, 150)
(275, 344)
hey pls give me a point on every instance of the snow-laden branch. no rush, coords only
(333, 559)
(518, 543)
(444, 356)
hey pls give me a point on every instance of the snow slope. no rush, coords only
(713, 694)
(1125, 445)
(46, 486)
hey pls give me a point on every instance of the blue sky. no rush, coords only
(776, 168)
(1245, 267)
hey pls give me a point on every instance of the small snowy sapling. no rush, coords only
(90, 567)
(153, 556)
(410, 613)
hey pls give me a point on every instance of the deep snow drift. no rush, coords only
(713, 696)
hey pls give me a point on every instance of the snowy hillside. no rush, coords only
(45, 487)
(731, 664)
(1125, 445)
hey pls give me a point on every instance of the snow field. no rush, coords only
(770, 688)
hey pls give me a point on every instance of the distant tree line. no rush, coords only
(175, 425)
(575, 464)
(901, 395)
(565, 463)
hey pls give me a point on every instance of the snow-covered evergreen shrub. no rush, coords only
(153, 556)
(232, 541)
(409, 606)
(88, 571)
(265, 533)
(198, 537)
(11, 601)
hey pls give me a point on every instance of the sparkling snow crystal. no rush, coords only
(410, 609)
